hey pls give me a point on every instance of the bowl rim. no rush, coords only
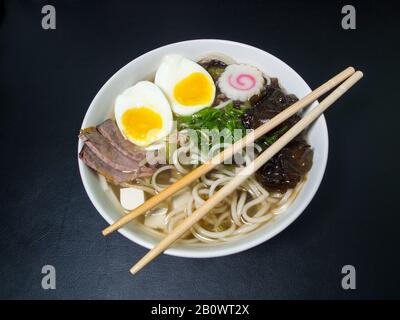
(239, 246)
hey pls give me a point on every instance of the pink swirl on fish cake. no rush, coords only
(242, 81)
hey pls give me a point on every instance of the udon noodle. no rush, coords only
(245, 210)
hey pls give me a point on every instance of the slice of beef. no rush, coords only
(146, 171)
(93, 161)
(111, 132)
(106, 151)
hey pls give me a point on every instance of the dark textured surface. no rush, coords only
(48, 78)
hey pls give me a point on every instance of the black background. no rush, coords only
(48, 79)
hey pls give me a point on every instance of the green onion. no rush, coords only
(228, 117)
(210, 118)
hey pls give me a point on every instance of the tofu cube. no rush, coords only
(131, 198)
(156, 218)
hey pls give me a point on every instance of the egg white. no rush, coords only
(144, 94)
(173, 69)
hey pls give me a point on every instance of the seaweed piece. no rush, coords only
(214, 67)
(291, 163)
(287, 167)
(265, 109)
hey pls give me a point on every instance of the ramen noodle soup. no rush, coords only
(163, 128)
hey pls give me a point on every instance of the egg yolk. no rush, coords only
(141, 123)
(194, 90)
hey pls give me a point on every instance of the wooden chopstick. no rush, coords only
(246, 172)
(228, 152)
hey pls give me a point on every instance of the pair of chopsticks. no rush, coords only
(352, 77)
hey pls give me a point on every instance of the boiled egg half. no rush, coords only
(143, 114)
(188, 86)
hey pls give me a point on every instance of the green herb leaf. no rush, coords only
(227, 118)
(210, 118)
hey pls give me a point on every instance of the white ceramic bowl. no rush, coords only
(143, 67)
